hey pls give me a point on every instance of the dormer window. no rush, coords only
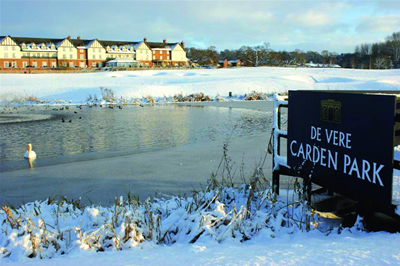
(23, 46)
(52, 47)
(131, 49)
(43, 46)
(108, 48)
(33, 46)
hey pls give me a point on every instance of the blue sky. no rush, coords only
(307, 25)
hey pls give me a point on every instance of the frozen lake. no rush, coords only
(133, 129)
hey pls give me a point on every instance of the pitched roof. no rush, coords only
(118, 43)
(81, 42)
(20, 40)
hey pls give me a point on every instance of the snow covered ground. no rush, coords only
(270, 244)
(209, 230)
(212, 82)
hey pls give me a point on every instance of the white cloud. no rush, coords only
(382, 24)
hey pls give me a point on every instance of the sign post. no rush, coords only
(343, 141)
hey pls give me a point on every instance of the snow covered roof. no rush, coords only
(20, 40)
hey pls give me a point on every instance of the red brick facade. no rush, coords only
(28, 62)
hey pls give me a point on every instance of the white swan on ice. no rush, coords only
(30, 154)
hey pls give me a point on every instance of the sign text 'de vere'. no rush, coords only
(343, 139)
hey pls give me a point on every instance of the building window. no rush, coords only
(82, 56)
(71, 64)
(63, 49)
(44, 64)
(70, 49)
(24, 64)
(38, 55)
(64, 56)
(99, 56)
(6, 64)
(5, 55)
(14, 64)
(160, 57)
(34, 64)
(53, 64)
(93, 64)
(13, 48)
(5, 48)
(70, 56)
(94, 56)
(99, 50)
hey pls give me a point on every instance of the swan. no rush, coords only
(30, 154)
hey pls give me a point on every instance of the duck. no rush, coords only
(30, 154)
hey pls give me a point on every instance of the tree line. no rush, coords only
(383, 55)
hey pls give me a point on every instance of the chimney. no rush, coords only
(79, 37)
(183, 44)
(69, 37)
(165, 41)
(145, 39)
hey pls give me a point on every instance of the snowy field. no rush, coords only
(268, 234)
(212, 82)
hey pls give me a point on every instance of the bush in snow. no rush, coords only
(222, 211)
(108, 94)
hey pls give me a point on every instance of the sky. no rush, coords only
(336, 25)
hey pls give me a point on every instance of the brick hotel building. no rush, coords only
(22, 52)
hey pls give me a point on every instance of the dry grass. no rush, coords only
(225, 209)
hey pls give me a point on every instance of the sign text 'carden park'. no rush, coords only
(343, 139)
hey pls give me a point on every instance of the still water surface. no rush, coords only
(127, 130)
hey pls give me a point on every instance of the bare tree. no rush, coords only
(380, 62)
(325, 56)
(393, 47)
(255, 55)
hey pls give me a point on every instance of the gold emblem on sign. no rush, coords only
(331, 111)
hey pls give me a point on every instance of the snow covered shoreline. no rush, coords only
(76, 88)
(349, 246)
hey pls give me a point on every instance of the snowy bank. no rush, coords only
(211, 82)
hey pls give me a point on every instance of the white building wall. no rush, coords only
(96, 51)
(9, 49)
(67, 51)
(178, 54)
(143, 53)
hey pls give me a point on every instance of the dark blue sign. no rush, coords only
(344, 139)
